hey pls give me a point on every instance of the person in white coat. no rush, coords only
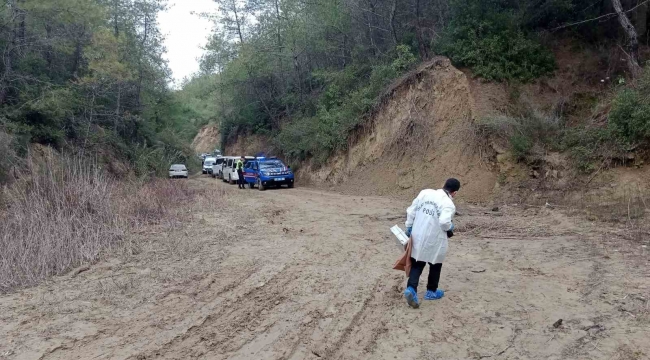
(429, 223)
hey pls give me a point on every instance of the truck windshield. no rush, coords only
(271, 164)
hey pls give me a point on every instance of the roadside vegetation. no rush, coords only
(69, 211)
(609, 138)
(87, 76)
(87, 79)
(87, 125)
(306, 75)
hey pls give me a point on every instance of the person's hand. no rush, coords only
(408, 231)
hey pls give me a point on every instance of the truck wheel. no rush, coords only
(260, 186)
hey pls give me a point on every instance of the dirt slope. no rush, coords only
(420, 135)
(306, 274)
(248, 145)
(207, 139)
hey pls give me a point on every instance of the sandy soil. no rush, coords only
(207, 139)
(306, 274)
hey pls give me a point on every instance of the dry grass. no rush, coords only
(627, 208)
(68, 212)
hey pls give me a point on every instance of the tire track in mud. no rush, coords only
(323, 289)
(367, 324)
(69, 349)
(217, 330)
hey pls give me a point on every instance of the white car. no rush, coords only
(178, 170)
(207, 165)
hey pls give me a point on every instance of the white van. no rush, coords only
(216, 167)
(220, 168)
(229, 171)
(226, 167)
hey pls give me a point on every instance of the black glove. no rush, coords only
(450, 233)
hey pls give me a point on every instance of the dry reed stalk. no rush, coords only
(68, 212)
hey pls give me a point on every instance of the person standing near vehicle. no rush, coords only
(240, 173)
(429, 225)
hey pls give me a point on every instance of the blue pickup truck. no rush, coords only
(267, 172)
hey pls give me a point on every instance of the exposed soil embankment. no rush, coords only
(207, 139)
(424, 130)
(249, 145)
(418, 136)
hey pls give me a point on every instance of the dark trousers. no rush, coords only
(241, 181)
(416, 270)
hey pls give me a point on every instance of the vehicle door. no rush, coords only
(250, 172)
(229, 167)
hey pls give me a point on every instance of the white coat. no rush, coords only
(431, 216)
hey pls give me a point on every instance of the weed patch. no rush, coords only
(69, 212)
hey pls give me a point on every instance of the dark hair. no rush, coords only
(452, 185)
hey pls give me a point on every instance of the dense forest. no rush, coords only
(87, 76)
(305, 72)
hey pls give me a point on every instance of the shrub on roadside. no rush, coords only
(527, 135)
(69, 211)
(628, 128)
(629, 118)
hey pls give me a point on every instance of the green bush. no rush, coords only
(404, 58)
(589, 146)
(629, 117)
(486, 36)
(521, 146)
(533, 130)
(341, 107)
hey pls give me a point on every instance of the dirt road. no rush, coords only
(306, 274)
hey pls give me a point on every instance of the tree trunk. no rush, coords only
(280, 45)
(49, 49)
(118, 109)
(145, 36)
(422, 49)
(78, 53)
(8, 54)
(632, 39)
(392, 21)
(116, 24)
(369, 17)
(237, 22)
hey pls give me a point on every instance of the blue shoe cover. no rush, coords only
(434, 295)
(411, 297)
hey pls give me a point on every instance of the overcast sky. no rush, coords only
(185, 34)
